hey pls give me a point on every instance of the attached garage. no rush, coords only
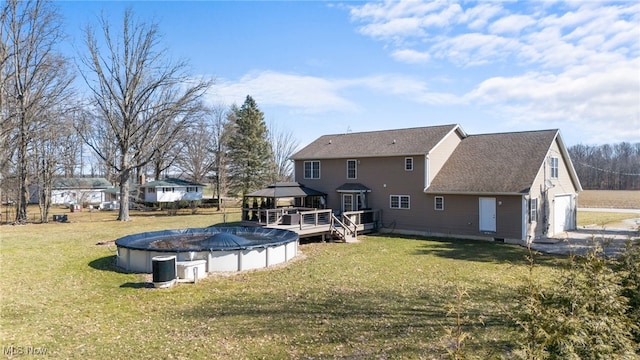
(563, 214)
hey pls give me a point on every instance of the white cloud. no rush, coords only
(479, 16)
(572, 63)
(604, 103)
(312, 95)
(474, 48)
(534, 33)
(511, 24)
(411, 56)
(397, 19)
(300, 93)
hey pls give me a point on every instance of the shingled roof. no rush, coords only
(285, 189)
(401, 142)
(81, 183)
(494, 163)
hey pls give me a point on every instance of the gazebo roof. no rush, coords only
(285, 190)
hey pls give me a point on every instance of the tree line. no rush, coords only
(607, 167)
(144, 114)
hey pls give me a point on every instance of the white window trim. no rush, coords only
(304, 169)
(400, 197)
(435, 203)
(412, 164)
(355, 162)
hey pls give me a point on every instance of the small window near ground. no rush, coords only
(439, 203)
(352, 169)
(399, 202)
(533, 209)
(408, 164)
(554, 167)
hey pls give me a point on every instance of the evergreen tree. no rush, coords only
(251, 164)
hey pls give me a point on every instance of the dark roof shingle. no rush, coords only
(284, 190)
(494, 163)
(412, 141)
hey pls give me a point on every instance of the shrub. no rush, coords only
(585, 315)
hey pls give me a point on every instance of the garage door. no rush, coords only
(562, 214)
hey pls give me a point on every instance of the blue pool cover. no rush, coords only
(208, 239)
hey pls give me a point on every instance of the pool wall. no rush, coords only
(133, 257)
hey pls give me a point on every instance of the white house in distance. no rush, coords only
(171, 190)
(68, 191)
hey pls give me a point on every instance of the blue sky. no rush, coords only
(317, 67)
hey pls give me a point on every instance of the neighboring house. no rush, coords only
(66, 191)
(171, 190)
(440, 181)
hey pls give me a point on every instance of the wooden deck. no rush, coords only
(314, 222)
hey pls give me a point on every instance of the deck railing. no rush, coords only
(347, 224)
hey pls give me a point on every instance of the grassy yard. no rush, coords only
(385, 297)
(603, 219)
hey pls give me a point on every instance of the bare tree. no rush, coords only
(607, 167)
(170, 143)
(138, 96)
(221, 131)
(35, 79)
(283, 145)
(198, 155)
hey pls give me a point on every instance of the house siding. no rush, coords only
(441, 153)
(461, 216)
(385, 176)
(543, 226)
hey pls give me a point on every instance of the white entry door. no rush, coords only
(562, 214)
(488, 214)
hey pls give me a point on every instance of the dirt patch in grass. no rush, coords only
(615, 199)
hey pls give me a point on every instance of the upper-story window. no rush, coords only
(438, 203)
(408, 164)
(312, 169)
(352, 169)
(554, 167)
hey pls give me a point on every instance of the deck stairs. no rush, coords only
(344, 228)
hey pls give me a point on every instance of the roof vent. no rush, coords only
(330, 141)
(394, 141)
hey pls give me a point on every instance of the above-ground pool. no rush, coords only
(223, 248)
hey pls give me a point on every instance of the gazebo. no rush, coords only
(299, 196)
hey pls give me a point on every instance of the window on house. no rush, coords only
(399, 202)
(554, 167)
(312, 169)
(533, 209)
(352, 169)
(408, 164)
(438, 203)
(151, 190)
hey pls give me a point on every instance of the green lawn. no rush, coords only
(385, 297)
